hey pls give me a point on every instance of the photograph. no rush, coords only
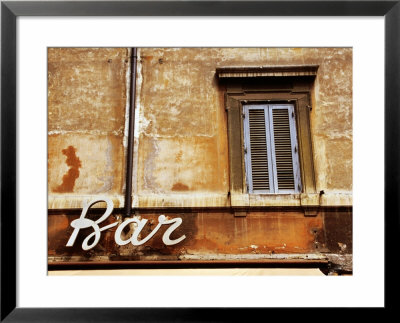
(200, 157)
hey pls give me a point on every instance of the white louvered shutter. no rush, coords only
(257, 151)
(271, 157)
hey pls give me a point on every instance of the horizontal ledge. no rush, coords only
(163, 264)
(205, 210)
(199, 257)
(71, 201)
(207, 201)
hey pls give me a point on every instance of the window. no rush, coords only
(271, 149)
(269, 136)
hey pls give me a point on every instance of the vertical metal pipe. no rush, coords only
(131, 129)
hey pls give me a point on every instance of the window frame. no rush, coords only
(267, 85)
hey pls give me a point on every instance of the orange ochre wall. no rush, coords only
(180, 160)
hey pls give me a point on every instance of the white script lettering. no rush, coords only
(84, 223)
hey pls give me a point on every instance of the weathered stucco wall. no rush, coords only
(181, 156)
(181, 143)
(87, 99)
(182, 135)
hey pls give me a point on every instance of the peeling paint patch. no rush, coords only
(68, 180)
(342, 246)
(340, 263)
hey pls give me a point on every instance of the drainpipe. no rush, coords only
(131, 128)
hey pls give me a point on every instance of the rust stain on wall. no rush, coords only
(180, 187)
(102, 159)
(68, 180)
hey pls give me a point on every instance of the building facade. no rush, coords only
(223, 155)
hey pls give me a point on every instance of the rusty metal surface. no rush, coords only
(338, 228)
(207, 234)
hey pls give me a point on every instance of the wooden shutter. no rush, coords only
(272, 164)
(284, 149)
(236, 154)
(258, 154)
(258, 150)
(282, 145)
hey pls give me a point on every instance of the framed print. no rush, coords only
(189, 200)
(226, 144)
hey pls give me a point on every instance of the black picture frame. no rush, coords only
(10, 10)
